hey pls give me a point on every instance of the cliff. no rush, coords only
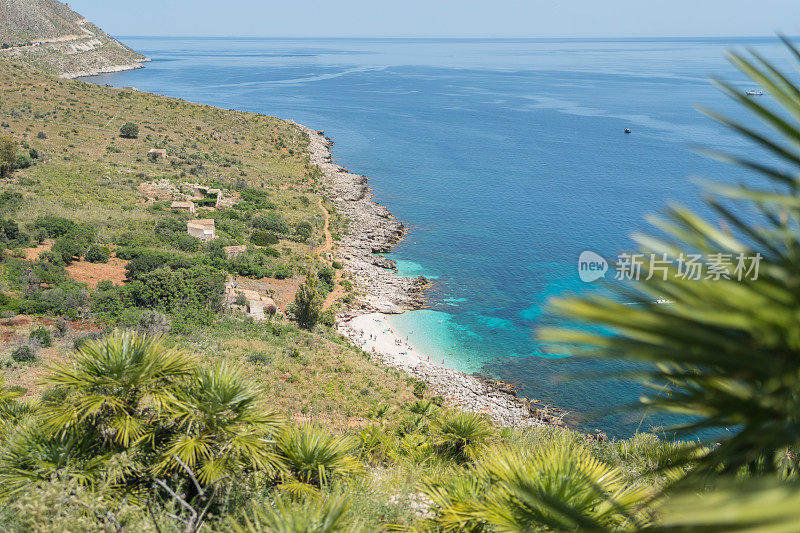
(49, 35)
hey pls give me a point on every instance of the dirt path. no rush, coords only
(328, 246)
(337, 291)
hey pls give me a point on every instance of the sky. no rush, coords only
(444, 18)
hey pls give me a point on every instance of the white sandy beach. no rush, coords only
(373, 333)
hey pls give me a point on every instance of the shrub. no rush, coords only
(153, 323)
(419, 388)
(67, 249)
(271, 222)
(186, 243)
(24, 353)
(462, 435)
(258, 197)
(283, 272)
(62, 327)
(54, 226)
(314, 456)
(69, 299)
(129, 130)
(303, 231)
(263, 238)
(144, 262)
(259, 358)
(187, 289)
(8, 153)
(23, 160)
(42, 335)
(10, 200)
(327, 276)
(11, 235)
(98, 254)
(41, 135)
(272, 252)
(328, 318)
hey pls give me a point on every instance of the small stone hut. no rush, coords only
(202, 228)
(183, 206)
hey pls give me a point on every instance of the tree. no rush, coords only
(129, 130)
(307, 306)
(8, 156)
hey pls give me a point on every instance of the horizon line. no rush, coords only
(456, 38)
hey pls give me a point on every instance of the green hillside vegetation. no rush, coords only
(141, 402)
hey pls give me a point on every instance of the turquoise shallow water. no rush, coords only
(507, 159)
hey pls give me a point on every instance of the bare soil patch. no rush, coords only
(93, 273)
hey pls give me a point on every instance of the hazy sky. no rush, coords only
(444, 18)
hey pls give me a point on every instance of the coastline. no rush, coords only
(373, 230)
(103, 70)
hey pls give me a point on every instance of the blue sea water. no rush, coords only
(506, 159)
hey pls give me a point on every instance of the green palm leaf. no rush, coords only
(725, 351)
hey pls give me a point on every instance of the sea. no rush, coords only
(506, 159)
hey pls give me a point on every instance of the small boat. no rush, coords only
(753, 92)
(627, 130)
(663, 301)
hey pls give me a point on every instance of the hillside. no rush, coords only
(86, 173)
(49, 35)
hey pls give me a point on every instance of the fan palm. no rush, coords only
(221, 427)
(461, 435)
(726, 351)
(305, 516)
(126, 407)
(10, 408)
(313, 455)
(555, 488)
(117, 385)
(31, 454)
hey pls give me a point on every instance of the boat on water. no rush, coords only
(627, 130)
(753, 92)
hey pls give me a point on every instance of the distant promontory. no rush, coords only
(52, 37)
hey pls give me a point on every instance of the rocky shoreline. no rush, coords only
(373, 230)
(103, 70)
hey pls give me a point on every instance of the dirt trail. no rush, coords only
(337, 291)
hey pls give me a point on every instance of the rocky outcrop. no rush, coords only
(373, 230)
